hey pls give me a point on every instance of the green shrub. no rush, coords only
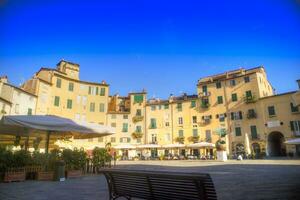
(75, 160)
(100, 157)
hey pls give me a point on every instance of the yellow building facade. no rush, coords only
(237, 102)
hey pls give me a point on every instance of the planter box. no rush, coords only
(14, 175)
(73, 173)
(45, 176)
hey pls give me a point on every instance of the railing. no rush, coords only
(204, 94)
(137, 118)
(250, 99)
(251, 115)
(205, 105)
(137, 135)
(257, 137)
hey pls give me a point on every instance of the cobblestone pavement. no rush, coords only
(260, 179)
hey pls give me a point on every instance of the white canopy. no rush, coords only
(173, 146)
(148, 146)
(124, 146)
(28, 125)
(201, 144)
(17, 124)
(293, 141)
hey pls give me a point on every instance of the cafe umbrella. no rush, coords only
(51, 126)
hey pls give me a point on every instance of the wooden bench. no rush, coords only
(157, 185)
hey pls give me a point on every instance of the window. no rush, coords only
(69, 104)
(159, 107)
(138, 99)
(102, 92)
(248, 94)
(113, 116)
(232, 82)
(247, 79)
(271, 110)
(113, 125)
(234, 97)
(138, 112)
(124, 140)
(58, 83)
(218, 85)
(295, 127)
(167, 137)
(101, 107)
(71, 87)
(221, 117)
(208, 135)
(90, 90)
(179, 107)
(166, 106)
(294, 108)
(125, 127)
(112, 139)
(194, 119)
(153, 107)
(100, 139)
(193, 104)
(77, 116)
(84, 100)
(153, 138)
(138, 140)
(180, 133)
(97, 90)
(180, 120)
(78, 99)
(204, 88)
(167, 124)
(92, 107)
(56, 101)
(253, 132)
(238, 131)
(138, 129)
(29, 111)
(153, 123)
(195, 132)
(236, 115)
(125, 116)
(220, 99)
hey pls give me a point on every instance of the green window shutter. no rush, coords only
(294, 108)
(153, 123)
(71, 87)
(193, 104)
(238, 131)
(101, 107)
(138, 98)
(97, 90)
(180, 133)
(125, 127)
(69, 104)
(234, 97)
(195, 132)
(204, 88)
(166, 106)
(92, 107)
(90, 89)
(138, 129)
(138, 112)
(56, 101)
(102, 92)
(253, 132)
(29, 112)
(220, 99)
(248, 94)
(292, 126)
(179, 106)
(58, 83)
(128, 140)
(271, 110)
(247, 79)
(218, 85)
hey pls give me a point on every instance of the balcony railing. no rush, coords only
(204, 94)
(205, 105)
(257, 137)
(137, 118)
(137, 135)
(251, 115)
(193, 139)
(250, 99)
(180, 139)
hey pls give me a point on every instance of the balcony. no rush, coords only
(137, 118)
(205, 105)
(180, 139)
(250, 99)
(193, 139)
(137, 135)
(204, 94)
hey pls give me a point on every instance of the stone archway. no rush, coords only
(276, 145)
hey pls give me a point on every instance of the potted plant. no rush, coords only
(75, 162)
(221, 145)
(47, 163)
(14, 169)
(100, 158)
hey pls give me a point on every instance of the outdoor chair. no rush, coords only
(156, 185)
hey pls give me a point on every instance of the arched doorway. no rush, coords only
(276, 146)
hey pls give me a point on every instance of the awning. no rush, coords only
(170, 146)
(148, 146)
(293, 141)
(201, 144)
(124, 146)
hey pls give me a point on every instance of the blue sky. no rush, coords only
(162, 46)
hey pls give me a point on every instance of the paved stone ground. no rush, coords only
(260, 179)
